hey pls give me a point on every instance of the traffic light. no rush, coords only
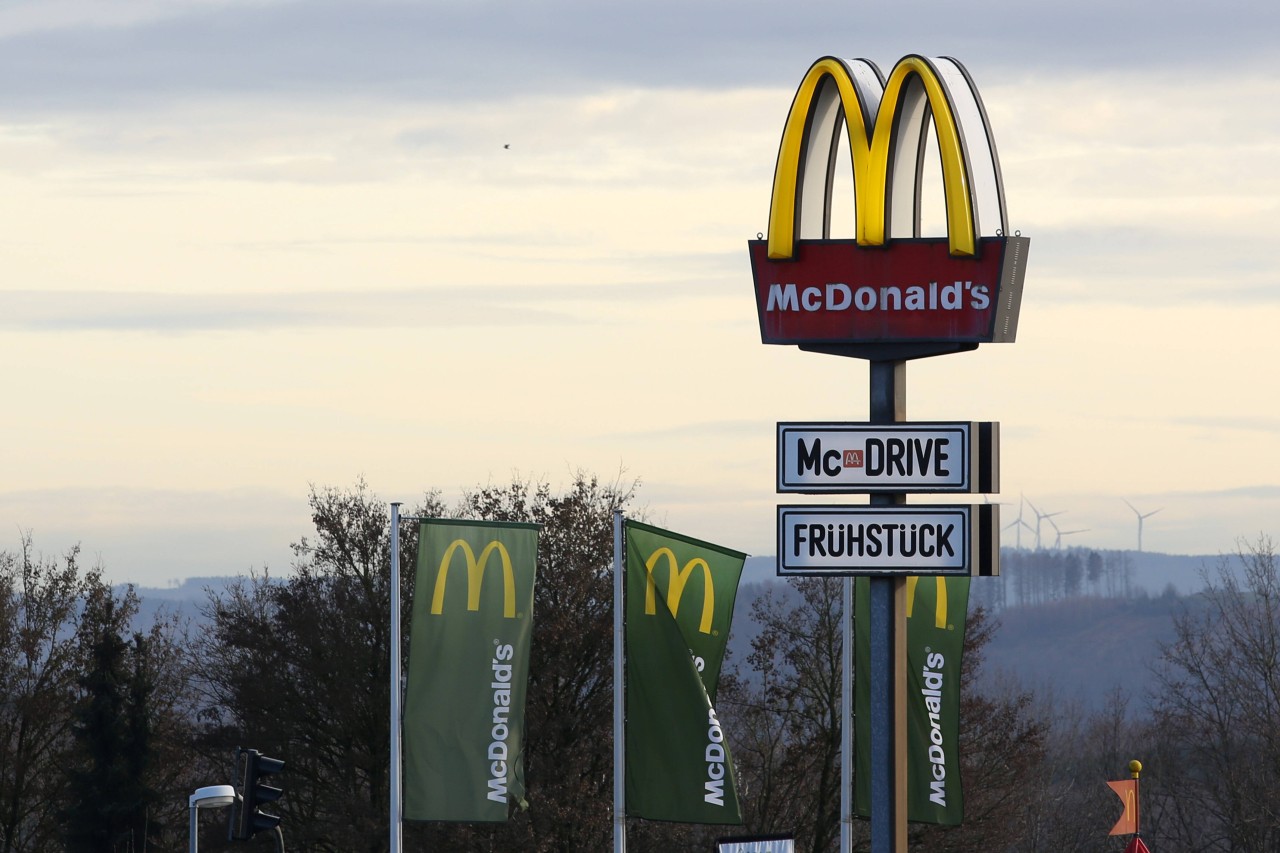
(246, 819)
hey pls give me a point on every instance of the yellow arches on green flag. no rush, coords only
(679, 595)
(471, 631)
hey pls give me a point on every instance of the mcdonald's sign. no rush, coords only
(889, 292)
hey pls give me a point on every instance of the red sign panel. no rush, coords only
(910, 291)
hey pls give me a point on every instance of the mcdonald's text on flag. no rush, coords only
(936, 614)
(471, 633)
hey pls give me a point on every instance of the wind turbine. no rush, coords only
(1019, 523)
(1141, 518)
(1059, 533)
(1041, 516)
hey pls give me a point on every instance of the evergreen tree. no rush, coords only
(110, 802)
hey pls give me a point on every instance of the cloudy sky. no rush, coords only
(254, 245)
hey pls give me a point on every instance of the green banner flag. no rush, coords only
(471, 630)
(680, 594)
(936, 610)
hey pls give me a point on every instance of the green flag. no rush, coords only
(936, 610)
(468, 667)
(680, 594)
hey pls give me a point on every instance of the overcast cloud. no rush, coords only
(252, 245)
(107, 55)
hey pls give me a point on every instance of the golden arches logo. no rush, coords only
(887, 122)
(677, 578)
(940, 601)
(475, 576)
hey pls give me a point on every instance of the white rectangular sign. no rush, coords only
(888, 540)
(772, 844)
(901, 457)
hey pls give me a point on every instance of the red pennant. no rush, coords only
(1136, 846)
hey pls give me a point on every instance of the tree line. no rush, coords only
(1032, 577)
(108, 725)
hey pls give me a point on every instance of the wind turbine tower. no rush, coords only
(1041, 516)
(1019, 523)
(1058, 533)
(1141, 518)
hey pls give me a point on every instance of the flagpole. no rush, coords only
(619, 735)
(846, 722)
(397, 828)
(1135, 767)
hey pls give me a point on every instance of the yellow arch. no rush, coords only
(677, 578)
(871, 152)
(475, 575)
(940, 604)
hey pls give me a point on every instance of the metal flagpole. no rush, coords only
(846, 722)
(1135, 768)
(397, 829)
(619, 742)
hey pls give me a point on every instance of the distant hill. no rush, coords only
(1077, 648)
(184, 600)
(1081, 650)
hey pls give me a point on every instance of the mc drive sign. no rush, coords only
(901, 457)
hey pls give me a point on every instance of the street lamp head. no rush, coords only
(213, 796)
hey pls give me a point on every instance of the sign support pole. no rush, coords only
(888, 650)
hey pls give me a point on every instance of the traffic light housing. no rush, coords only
(246, 819)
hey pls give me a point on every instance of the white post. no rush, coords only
(619, 720)
(397, 829)
(214, 796)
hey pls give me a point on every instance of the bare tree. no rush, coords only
(783, 714)
(1218, 708)
(40, 663)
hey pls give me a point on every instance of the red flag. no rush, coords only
(1127, 791)
(1136, 846)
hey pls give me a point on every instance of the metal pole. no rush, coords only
(846, 722)
(888, 811)
(397, 829)
(213, 796)
(1135, 768)
(619, 719)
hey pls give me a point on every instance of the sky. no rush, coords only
(252, 247)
